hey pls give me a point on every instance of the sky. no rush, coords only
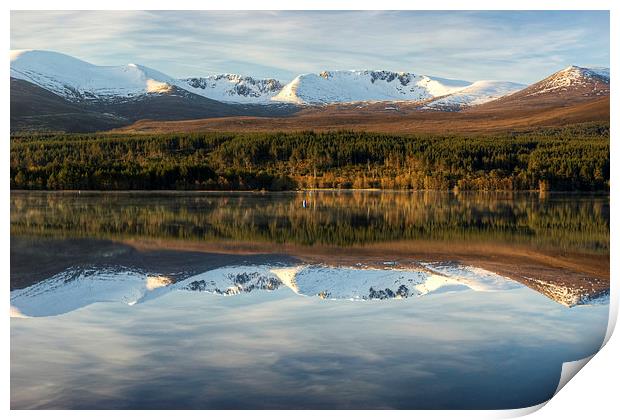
(519, 46)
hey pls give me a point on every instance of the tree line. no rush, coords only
(574, 158)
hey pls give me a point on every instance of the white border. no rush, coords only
(593, 394)
(312, 5)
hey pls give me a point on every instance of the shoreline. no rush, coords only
(176, 191)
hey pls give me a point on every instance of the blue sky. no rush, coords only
(511, 45)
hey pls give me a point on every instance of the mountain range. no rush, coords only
(78, 287)
(54, 91)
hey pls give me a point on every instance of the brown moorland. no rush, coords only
(398, 118)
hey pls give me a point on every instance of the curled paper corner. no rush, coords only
(614, 299)
(518, 412)
(570, 369)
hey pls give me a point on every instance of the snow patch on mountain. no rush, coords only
(600, 71)
(438, 86)
(475, 94)
(475, 278)
(232, 280)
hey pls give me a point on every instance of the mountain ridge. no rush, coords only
(77, 80)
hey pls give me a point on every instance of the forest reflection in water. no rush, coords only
(565, 222)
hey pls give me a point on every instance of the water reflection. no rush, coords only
(557, 244)
(116, 282)
(79, 287)
(279, 350)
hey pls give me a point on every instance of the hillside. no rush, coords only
(387, 118)
(566, 87)
(36, 109)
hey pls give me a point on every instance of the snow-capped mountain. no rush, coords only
(233, 88)
(359, 86)
(594, 81)
(475, 94)
(568, 86)
(53, 91)
(79, 287)
(77, 80)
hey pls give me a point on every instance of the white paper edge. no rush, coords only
(570, 369)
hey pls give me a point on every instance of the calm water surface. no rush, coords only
(298, 300)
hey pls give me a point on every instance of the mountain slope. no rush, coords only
(36, 109)
(404, 121)
(175, 104)
(588, 82)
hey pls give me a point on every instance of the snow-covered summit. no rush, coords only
(576, 72)
(232, 88)
(364, 85)
(78, 80)
(591, 80)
